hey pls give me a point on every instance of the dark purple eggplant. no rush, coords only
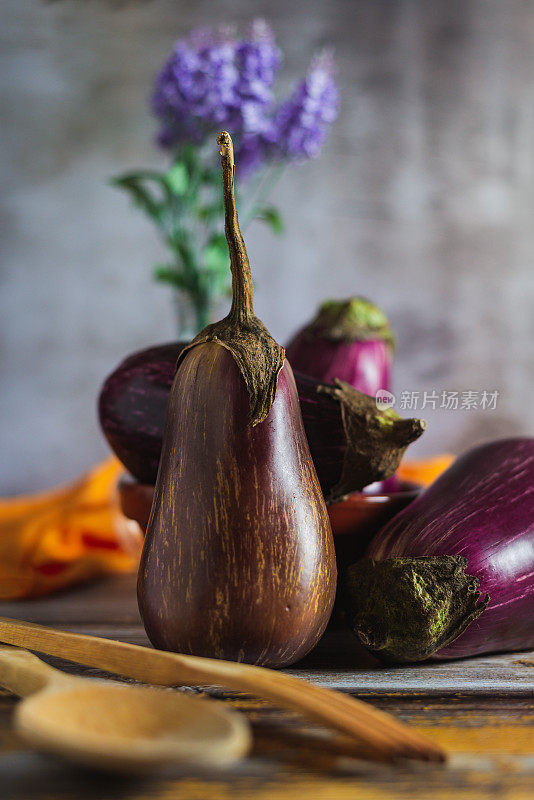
(453, 574)
(131, 407)
(350, 340)
(351, 442)
(238, 561)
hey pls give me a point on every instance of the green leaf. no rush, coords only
(140, 175)
(177, 179)
(271, 216)
(134, 185)
(166, 273)
(143, 176)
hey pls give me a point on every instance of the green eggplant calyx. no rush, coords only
(405, 609)
(354, 319)
(258, 356)
(376, 440)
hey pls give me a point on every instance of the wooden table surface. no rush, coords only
(480, 710)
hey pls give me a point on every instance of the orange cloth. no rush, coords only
(65, 536)
(425, 471)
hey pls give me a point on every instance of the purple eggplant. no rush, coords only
(350, 340)
(452, 575)
(131, 407)
(351, 442)
(238, 561)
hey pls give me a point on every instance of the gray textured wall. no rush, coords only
(423, 200)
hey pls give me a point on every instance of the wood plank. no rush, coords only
(506, 674)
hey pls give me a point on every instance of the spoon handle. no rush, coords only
(387, 737)
(23, 673)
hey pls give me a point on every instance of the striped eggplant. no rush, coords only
(452, 575)
(238, 561)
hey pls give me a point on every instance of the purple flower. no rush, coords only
(302, 121)
(213, 80)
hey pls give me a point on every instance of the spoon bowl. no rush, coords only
(119, 727)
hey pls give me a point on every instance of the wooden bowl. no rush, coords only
(354, 523)
(135, 500)
(356, 520)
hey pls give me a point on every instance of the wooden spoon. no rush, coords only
(377, 732)
(123, 728)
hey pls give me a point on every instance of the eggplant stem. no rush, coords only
(406, 609)
(242, 292)
(254, 350)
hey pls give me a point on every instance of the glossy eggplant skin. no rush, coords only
(238, 561)
(481, 508)
(366, 365)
